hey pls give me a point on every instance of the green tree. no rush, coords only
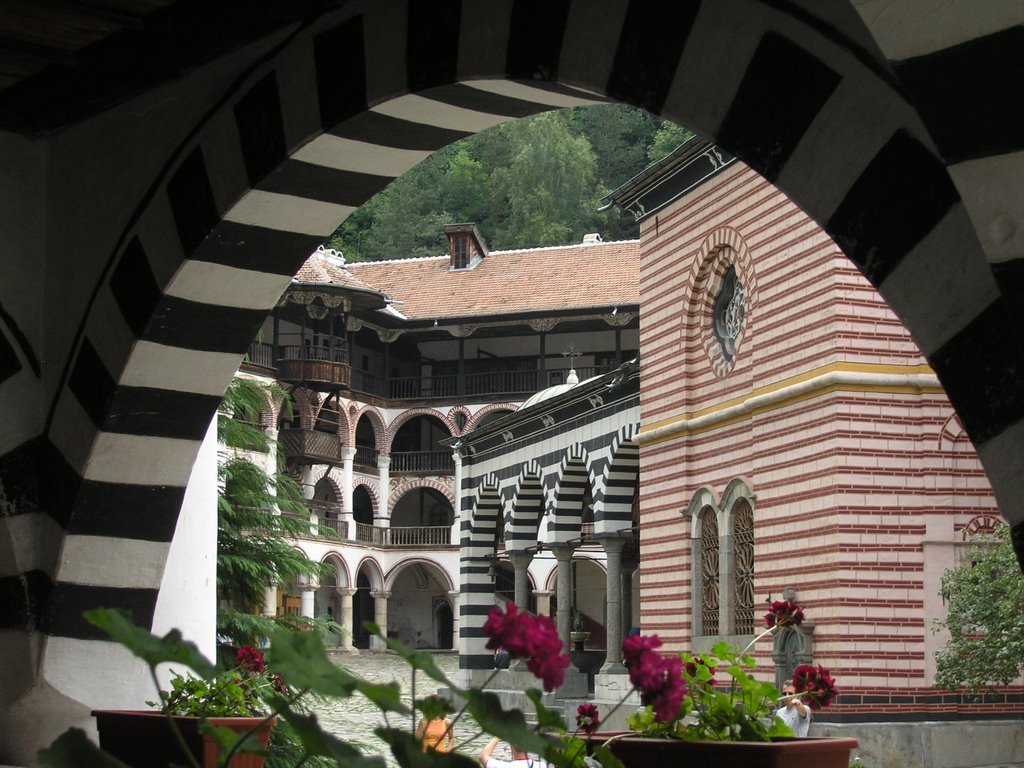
(667, 138)
(985, 599)
(254, 541)
(550, 190)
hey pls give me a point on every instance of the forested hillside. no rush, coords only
(528, 183)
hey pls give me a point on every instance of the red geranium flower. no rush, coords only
(587, 718)
(658, 678)
(784, 613)
(529, 637)
(249, 659)
(817, 685)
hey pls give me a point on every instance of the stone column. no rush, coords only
(270, 601)
(521, 563)
(306, 596)
(563, 591)
(457, 516)
(380, 617)
(613, 599)
(348, 631)
(271, 433)
(456, 610)
(382, 518)
(308, 489)
(543, 602)
(348, 456)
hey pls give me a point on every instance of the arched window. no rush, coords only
(743, 568)
(709, 572)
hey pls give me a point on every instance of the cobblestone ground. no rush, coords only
(355, 718)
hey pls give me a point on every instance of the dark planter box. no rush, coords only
(641, 752)
(143, 738)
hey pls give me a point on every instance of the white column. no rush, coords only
(308, 488)
(382, 518)
(270, 601)
(348, 631)
(457, 517)
(272, 452)
(348, 456)
(380, 617)
(456, 609)
(521, 564)
(543, 601)
(306, 596)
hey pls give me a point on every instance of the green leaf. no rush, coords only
(546, 718)
(508, 725)
(73, 749)
(318, 742)
(421, 660)
(607, 759)
(409, 752)
(300, 659)
(147, 646)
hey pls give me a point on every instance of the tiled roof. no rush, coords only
(528, 280)
(320, 268)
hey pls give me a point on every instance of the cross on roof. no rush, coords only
(572, 353)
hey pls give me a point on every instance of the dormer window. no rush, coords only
(466, 246)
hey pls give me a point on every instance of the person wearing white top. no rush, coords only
(519, 758)
(795, 713)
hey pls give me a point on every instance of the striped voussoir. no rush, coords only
(256, 185)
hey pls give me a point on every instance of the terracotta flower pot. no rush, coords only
(143, 738)
(643, 752)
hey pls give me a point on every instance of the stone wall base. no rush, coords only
(932, 744)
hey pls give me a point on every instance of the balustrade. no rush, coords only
(412, 536)
(423, 462)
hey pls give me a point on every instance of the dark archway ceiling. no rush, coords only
(64, 60)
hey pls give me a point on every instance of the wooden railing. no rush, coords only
(310, 444)
(366, 457)
(413, 536)
(424, 462)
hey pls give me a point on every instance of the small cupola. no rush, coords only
(466, 245)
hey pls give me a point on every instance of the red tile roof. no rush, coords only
(504, 282)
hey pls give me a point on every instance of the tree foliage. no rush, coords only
(526, 183)
(254, 541)
(985, 598)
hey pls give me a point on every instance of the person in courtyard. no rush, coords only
(437, 735)
(794, 712)
(519, 759)
(501, 658)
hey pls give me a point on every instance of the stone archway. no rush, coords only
(229, 175)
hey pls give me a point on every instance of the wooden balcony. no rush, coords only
(316, 367)
(310, 446)
(422, 463)
(413, 536)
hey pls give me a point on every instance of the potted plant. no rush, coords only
(691, 715)
(219, 720)
(684, 718)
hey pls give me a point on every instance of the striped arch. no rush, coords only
(613, 506)
(344, 579)
(574, 478)
(375, 418)
(326, 111)
(359, 481)
(527, 509)
(453, 415)
(396, 494)
(410, 414)
(484, 412)
(479, 529)
(737, 489)
(333, 476)
(396, 570)
(373, 571)
(305, 405)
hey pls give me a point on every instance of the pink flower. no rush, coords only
(635, 646)
(817, 684)
(587, 718)
(658, 678)
(249, 659)
(529, 637)
(784, 613)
